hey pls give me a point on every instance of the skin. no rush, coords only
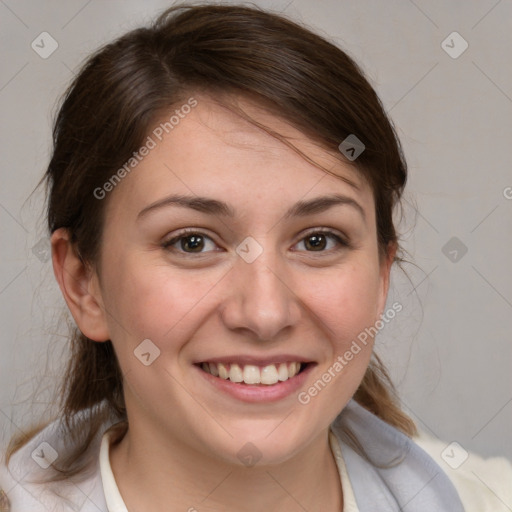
(181, 447)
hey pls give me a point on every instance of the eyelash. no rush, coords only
(342, 241)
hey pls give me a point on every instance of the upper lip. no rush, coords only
(255, 360)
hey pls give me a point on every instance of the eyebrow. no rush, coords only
(215, 207)
(321, 204)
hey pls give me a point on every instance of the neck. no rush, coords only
(153, 473)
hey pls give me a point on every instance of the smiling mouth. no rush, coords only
(252, 374)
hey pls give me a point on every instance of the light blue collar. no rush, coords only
(401, 476)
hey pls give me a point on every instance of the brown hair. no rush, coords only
(126, 86)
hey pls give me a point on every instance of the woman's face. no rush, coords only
(279, 265)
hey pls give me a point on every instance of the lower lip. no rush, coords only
(261, 392)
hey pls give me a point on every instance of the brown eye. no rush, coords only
(191, 243)
(322, 241)
(316, 242)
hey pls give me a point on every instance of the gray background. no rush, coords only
(449, 351)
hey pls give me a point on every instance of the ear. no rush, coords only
(386, 260)
(79, 285)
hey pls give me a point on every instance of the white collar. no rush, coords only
(115, 502)
(401, 474)
(113, 497)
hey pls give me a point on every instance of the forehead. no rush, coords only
(213, 151)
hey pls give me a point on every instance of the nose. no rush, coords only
(260, 300)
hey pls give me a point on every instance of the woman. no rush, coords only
(220, 202)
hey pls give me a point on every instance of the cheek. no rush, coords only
(345, 302)
(147, 300)
(345, 306)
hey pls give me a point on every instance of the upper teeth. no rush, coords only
(251, 374)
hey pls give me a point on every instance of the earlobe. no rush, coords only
(78, 284)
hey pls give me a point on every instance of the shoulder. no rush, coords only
(483, 484)
(26, 480)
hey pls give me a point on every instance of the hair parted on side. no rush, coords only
(126, 86)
